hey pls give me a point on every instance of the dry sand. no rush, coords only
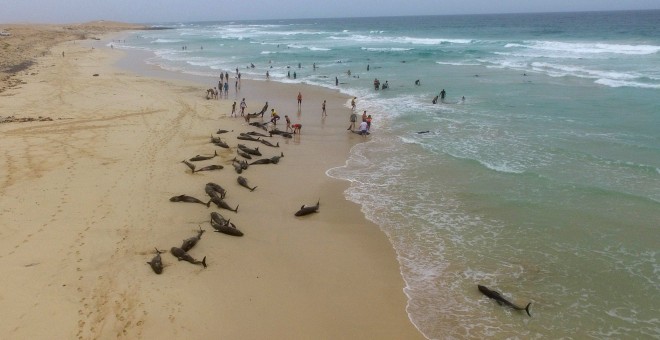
(84, 201)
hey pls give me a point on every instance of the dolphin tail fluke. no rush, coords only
(527, 309)
(250, 191)
(204, 262)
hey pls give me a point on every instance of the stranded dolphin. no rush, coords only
(182, 255)
(156, 263)
(243, 182)
(203, 158)
(188, 199)
(220, 203)
(308, 210)
(191, 242)
(226, 228)
(190, 165)
(501, 300)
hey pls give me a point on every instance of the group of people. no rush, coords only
(365, 124)
(378, 86)
(442, 95)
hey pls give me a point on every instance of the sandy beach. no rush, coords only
(85, 202)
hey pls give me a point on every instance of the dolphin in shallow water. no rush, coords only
(501, 300)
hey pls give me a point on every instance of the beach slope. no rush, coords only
(85, 192)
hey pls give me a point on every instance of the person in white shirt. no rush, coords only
(363, 128)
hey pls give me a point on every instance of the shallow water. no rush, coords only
(543, 184)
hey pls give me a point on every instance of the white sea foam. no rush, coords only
(456, 63)
(587, 48)
(623, 83)
(400, 40)
(386, 49)
(579, 71)
(311, 48)
(165, 41)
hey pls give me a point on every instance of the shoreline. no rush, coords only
(103, 177)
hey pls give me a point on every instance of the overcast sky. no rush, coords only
(151, 11)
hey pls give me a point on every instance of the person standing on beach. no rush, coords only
(267, 75)
(336, 79)
(364, 116)
(233, 109)
(442, 95)
(226, 89)
(353, 119)
(288, 123)
(243, 106)
(353, 103)
(299, 99)
(368, 120)
(323, 113)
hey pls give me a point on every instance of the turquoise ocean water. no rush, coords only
(543, 184)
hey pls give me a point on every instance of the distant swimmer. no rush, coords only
(417, 82)
(435, 100)
(420, 132)
(463, 99)
(442, 95)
